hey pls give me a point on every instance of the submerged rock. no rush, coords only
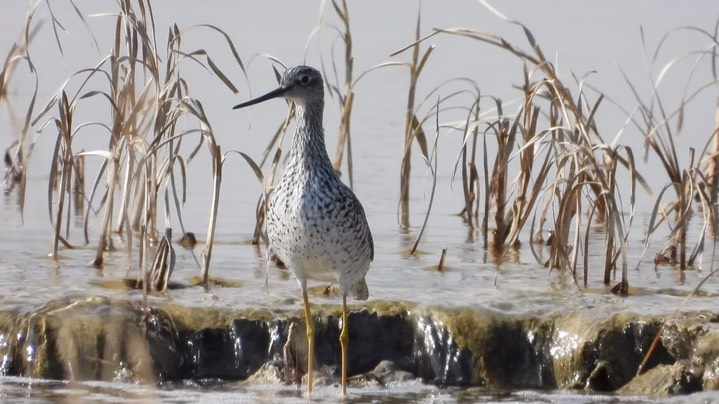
(706, 355)
(679, 378)
(386, 372)
(95, 338)
(618, 351)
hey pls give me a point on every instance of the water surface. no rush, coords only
(579, 36)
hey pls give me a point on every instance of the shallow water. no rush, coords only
(40, 391)
(37, 391)
(472, 278)
(28, 278)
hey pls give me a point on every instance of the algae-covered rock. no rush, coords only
(619, 350)
(570, 347)
(706, 355)
(12, 327)
(438, 357)
(238, 351)
(372, 339)
(231, 353)
(662, 380)
(602, 352)
(94, 338)
(495, 349)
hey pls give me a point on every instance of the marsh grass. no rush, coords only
(552, 170)
(343, 93)
(412, 124)
(566, 168)
(147, 97)
(273, 148)
(694, 186)
(19, 151)
(431, 160)
(563, 165)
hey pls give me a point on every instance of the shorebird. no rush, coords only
(315, 223)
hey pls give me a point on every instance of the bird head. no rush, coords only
(300, 84)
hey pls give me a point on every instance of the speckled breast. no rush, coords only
(317, 227)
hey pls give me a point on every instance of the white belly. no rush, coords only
(318, 237)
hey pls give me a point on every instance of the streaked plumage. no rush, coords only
(315, 223)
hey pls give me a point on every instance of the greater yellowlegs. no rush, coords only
(315, 223)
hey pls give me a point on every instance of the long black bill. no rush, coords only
(272, 94)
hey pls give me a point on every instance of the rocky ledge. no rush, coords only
(93, 338)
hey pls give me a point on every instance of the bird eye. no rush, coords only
(304, 79)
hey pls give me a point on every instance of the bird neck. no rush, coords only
(308, 152)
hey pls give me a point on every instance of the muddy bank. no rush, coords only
(93, 338)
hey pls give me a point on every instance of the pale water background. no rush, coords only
(579, 36)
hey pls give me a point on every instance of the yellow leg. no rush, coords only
(310, 340)
(344, 340)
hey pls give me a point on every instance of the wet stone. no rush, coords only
(12, 334)
(270, 373)
(252, 345)
(706, 355)
(438, 358)
(514, 357)
(372, 339)
(386, 372)
(236, 352)
(97, 339)
(94, 339)
(164, 346)
(663, 380)
(617, 354)
(211, 354)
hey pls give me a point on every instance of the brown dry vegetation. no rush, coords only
(566, 171)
